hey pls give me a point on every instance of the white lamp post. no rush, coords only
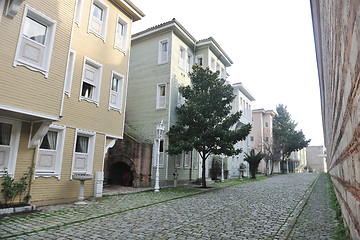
(160, 129)
(222, 169)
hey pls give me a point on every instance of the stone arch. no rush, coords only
(121, 171)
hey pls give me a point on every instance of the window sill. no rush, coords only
(47, 175)
(97, 34)
(31, 67)
(161, 108)
(89, 100)
(162, 63)
(115, 109)
(120, 49)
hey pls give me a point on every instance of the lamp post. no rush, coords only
(222, 169)
(160, 129)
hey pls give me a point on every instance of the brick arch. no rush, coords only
(136, 155)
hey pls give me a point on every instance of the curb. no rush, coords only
(12, 210)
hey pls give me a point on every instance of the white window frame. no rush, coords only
(69, 71)
(163, 57)
(190, 63)
(218, 66)
(223, 73)
(102, 24)
(78, 12)
(96, 82)
(182, 57)
(161, 154)
(178, 161)
(187, 160)
(116, 98)
(12, 149)
(58, 155)
(31, 54)
(212, 64)
(198, 61)
(121, 38)
(160, 99)
(88, 162)
(180, 99)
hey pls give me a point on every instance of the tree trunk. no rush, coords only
(203, 180)
(266, 167)
(272, 167)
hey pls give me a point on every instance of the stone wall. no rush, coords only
(336, 31)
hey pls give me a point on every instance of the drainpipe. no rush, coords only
(32, 166)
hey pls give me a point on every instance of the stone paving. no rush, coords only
(254, 210)
(318, 219)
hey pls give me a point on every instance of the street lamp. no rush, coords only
(160, 129)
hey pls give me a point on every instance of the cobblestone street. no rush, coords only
(265, 209)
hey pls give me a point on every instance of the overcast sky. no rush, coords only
(270, 42)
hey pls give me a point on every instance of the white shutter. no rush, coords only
(81, 162)
(46, 161)
(96, 25)
(119, 41)
(32, 52)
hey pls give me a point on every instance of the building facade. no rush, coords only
(316, 158)
(261, 136)
(62, 101)
(161, 58)
(337, 40)
(242, 102)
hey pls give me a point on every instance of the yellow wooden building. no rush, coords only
(64, 72)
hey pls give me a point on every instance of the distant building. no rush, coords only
(316, 158)
(261, 136)
(242, 102)
(161, 58)
(337, 37)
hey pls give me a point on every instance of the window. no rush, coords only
(98, 19)
(212, 64)
(116, 91)
(163, 51)
(187, 159)
(182, 54)
(35, 41)
(199, 60)
(91, 80)
(121, 34)
(266, 124)
(161, 153)
(83, 152)
(252, 138)
(161, 96)
(48, 163)
(266, 139)
(195, 159)
(218, 67)
(223, 73)
(9, 143)
(78, 12)
(189, 62)
(178, 160)
(69, 72)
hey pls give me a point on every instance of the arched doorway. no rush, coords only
(120, 174)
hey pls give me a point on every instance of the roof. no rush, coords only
(181, 31)
(262, 110)
(131, 9)
(242, 89)
(215, 47)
